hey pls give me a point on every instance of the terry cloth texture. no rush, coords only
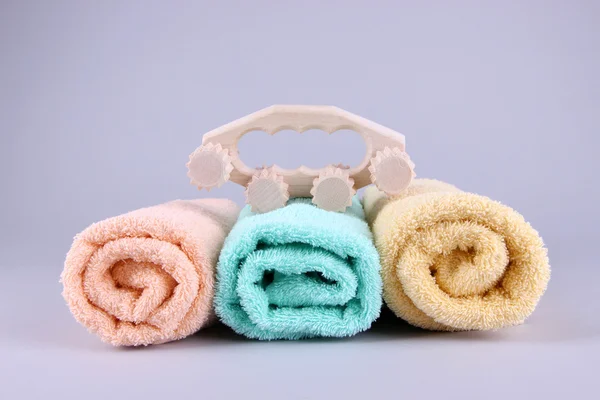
(298, 272)
(147, 276)
(456, 261)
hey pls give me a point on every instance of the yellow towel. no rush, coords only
(456, 261)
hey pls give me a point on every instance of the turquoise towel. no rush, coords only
(299, 272)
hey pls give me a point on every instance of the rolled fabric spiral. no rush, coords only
(456, 261)
(147, 277)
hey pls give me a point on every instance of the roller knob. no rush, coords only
(266, 191)
(209, 166)
(333, 189)
(391, 170)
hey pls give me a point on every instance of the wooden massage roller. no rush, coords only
(385, 164)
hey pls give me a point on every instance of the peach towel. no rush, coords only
(147, 277)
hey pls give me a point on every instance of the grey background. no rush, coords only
(102, 102)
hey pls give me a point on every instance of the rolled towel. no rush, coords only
(456, 261)
(299, 272)
(147, 277)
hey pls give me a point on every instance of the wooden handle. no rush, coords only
(301, 118)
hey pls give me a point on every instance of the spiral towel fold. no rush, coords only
(298, 272)
(147, 277)
(456, 261)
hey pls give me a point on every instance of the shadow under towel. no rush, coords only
(299, 272)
